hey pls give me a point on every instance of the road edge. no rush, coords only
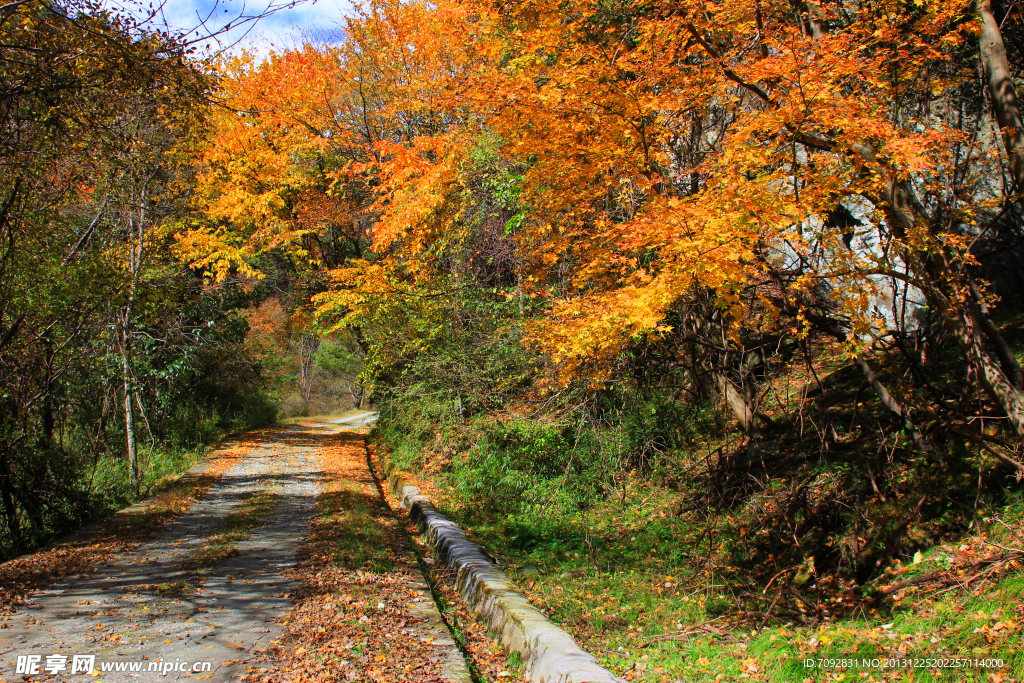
(87, 534)
(549, 653)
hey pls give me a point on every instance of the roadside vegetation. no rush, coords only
(710, 309)
(119, 364)
(652, 530)
(673, 567)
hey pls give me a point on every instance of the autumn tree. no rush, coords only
(756, 153)
(526, 208)
(99, 327)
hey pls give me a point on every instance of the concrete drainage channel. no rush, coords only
(550, 654)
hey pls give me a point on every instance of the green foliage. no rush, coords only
(495, 467)
(107, 345)
(338, 358)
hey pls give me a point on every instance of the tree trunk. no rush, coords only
(991, 376)
(735, 399)
(355, 390)
(519, 292)
(903, 210)
(129, 412)
(46, 438)
(891, 404)
(10, 509)
(816, 20)
(1004, 94)
(308, 345)
(1011, 368)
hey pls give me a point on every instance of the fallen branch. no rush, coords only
(772, 580)
(768, 612)
(1002, 456)
(685, 635)
(945, 576)
(774, 605)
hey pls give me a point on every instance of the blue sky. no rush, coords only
(280, 29)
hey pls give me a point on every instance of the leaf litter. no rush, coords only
(355, 615)
(118, 533)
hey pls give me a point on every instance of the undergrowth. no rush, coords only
(676, 547)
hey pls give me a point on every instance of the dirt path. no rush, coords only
(207, 596)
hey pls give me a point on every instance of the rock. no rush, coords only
(529, 570)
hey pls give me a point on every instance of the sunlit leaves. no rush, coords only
(666, 149)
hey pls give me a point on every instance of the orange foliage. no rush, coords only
(679, 147)
(668, 149)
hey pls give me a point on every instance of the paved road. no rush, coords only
(358, 420)
(143, 609)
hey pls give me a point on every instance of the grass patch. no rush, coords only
(361, 542)
(629, 580)
(353, 527)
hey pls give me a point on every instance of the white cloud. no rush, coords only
(283, 27)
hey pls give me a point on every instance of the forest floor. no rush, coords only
(648, 617)
(281, 561)
(608, 576)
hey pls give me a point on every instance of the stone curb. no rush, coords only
(550, 654)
